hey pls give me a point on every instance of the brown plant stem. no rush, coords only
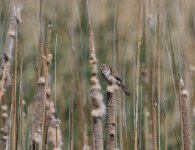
(71, 125)
(137, 77)
(5, 128)
(46, 60)
(187, 144)
(7, 54)
(110, 117)
(97, 99)
(6, 63)
(36, 133)
(14, 107)
(159, 77)
(181, 85)
(12, 37)
(165, 132)
(98, 109)
(146, 128)
(152, 106)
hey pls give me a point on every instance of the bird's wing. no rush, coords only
(116, 76)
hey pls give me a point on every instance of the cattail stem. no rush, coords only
(159, 78)
(95, 93)
(14, 107)
(97, 99)
(152, 104)
(97, 130)
(146, 128)
(45, 56)
(36, 133)
(5, 128)
(110, 117)
(6, 63)
(185, 127)
(7, 54)
(137, 77)
(6, 66)
(165, 132)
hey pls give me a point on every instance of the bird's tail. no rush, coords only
(125, 89)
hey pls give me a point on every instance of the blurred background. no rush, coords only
(167, 27)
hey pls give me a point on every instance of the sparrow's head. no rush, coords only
(105, 69)
(103, 66)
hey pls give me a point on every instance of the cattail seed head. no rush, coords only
(48, 91)
(4, 107)
(184, 93)
(4, 115)
(49, 58)
(41, 81)
(12, 33)
(181, 82)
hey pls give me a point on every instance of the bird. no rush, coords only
(108, 72)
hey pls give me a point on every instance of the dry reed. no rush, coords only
(137, 75)
(187, 145)
(54, 136)
(159, 76)
(98, 109)
(6, 125)
(36, 133)
(7, 53)
(110, 115)
(152, 103)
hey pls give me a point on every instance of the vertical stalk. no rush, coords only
(98, 109)
(14, 109)
(164, 95)
(144, 77)
(186, 138)
(137, 78)
(40, 40)
(46, 61)
(165, 132)
(152, 106)
(21, 102)
(181, 123)
(110, 117)
(120, 121)
(159, 72)
(9, 48)
(36, 131)
(71, 125)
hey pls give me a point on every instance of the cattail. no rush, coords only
(18, 13)
(193, 112)
(23, 103)
(185, 120)
(95, 93)
(7, 53)
(36, 133)
(110, 116)
(86, 147)
(137, 76)
(6, 125)
(54, 134)
(97, 100)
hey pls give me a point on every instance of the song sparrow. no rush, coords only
(106, 72)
